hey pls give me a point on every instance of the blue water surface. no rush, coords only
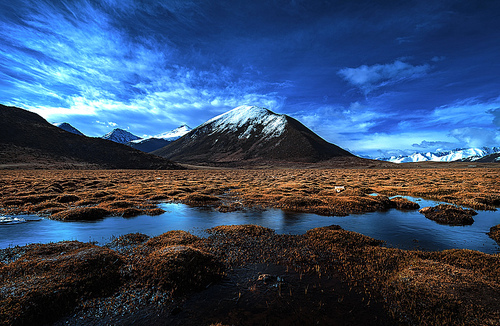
(401, 229)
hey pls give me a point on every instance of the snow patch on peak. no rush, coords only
(273, 124)
(174, 134)
(69, 128)
(120, 136)
(471, 154)
(169, 135)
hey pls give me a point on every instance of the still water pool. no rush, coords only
(406, 230)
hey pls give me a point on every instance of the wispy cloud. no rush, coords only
(369, 78)
(476, 137)
(465, 113)
(85, 63)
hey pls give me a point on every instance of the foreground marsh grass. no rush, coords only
(456, 287)
(315, 191)
(134, 272)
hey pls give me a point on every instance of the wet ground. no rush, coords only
(258, 294)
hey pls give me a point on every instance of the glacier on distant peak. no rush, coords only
(273, 124)
(471, 154)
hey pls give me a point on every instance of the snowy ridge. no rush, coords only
(174, 134)
(471, 154)
(273, 124)
(120, 136)
(169, 135)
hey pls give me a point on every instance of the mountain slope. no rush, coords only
(27, 140)
(120, 136)
(69, 128)
(491, 158)
(459, 154)
(151, 144)
(251, 134)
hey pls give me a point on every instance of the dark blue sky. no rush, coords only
(375, 77)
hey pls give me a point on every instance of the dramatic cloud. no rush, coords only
(368, 78)
(476, 137)
(371, 76)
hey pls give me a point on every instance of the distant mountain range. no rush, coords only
(28, 141)
(249, 134)
(459, 154)
(243, 137)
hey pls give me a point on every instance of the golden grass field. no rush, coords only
(453, 287)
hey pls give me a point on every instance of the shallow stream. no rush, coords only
(401, 229)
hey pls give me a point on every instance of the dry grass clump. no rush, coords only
(81, 213)
(336, 235)
(429, 292)
(49, 280)
(171, 238)
(404, 204)
(481, 263)
(449, 214)
(67, 198)
(179, 269)
(128, 212)
(131, 239)
(199, 198)
(120, 204)
(154, 211)
(495, 233)
(453, 287)
(241, 230)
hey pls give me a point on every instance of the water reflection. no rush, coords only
(407, 230)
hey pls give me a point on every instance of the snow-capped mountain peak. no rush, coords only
(174, 134)
(469, 154)
(120, 136)
(273, 125)
(69, 128)
(251, 134)
(168, 136)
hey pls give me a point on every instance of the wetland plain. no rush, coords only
(245, 274)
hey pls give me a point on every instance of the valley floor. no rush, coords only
(327, 275)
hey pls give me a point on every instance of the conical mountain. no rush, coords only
(251, 134)
(120, 136)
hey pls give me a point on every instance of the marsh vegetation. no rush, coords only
(357, 275)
